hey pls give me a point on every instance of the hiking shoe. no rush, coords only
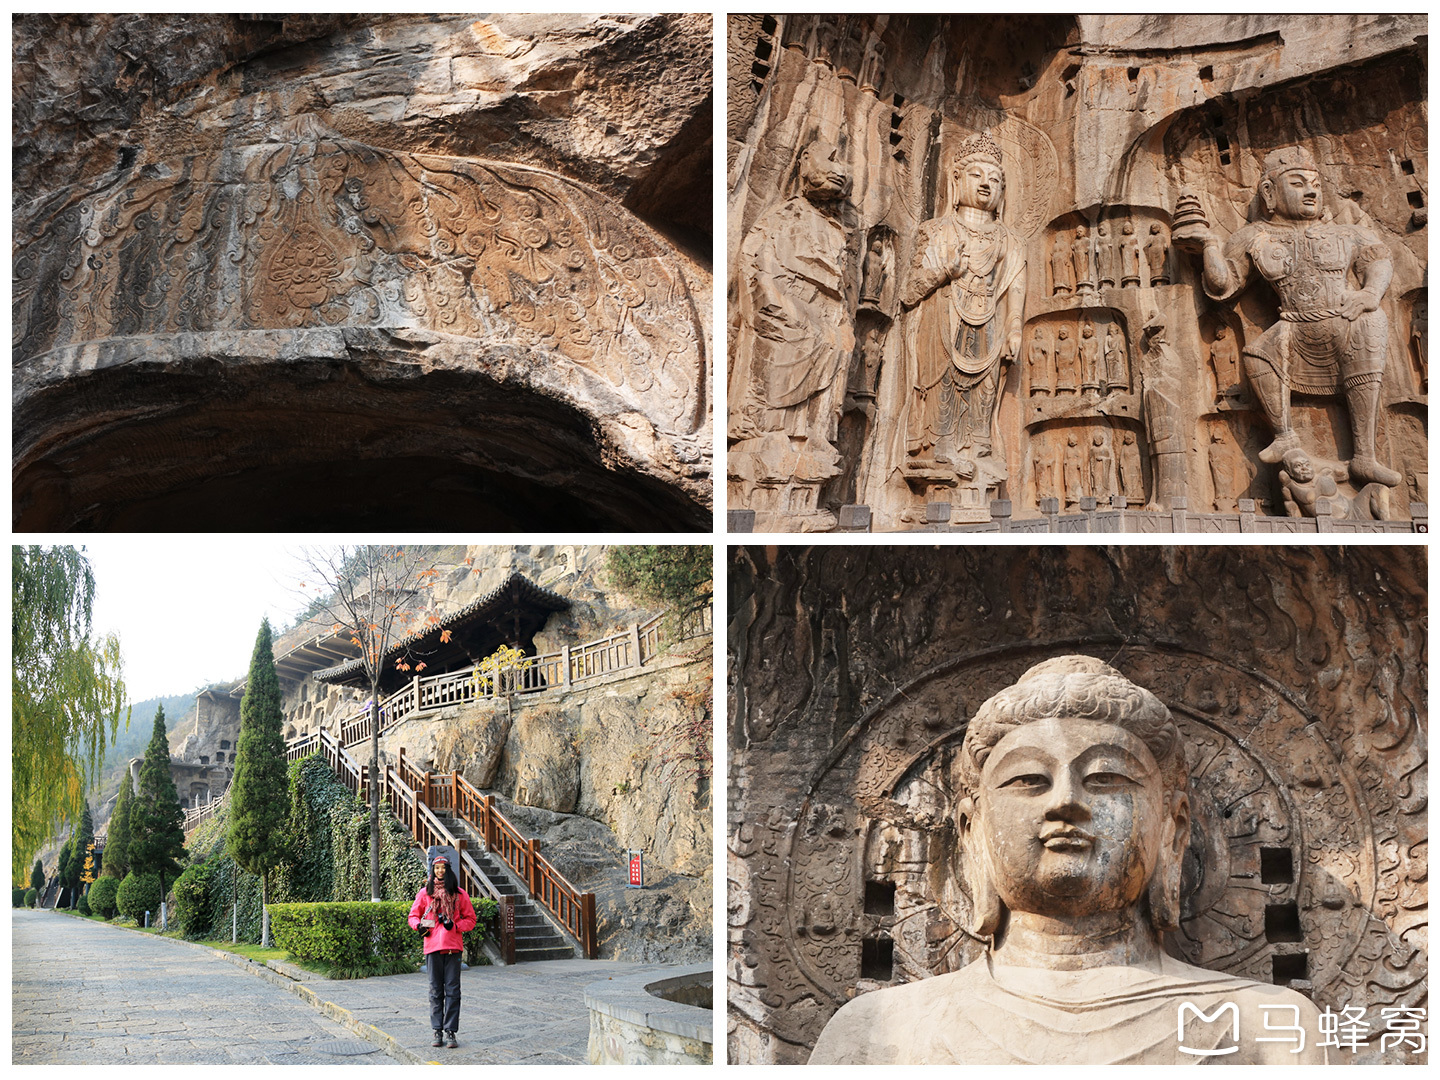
(453, 1043)
(439, 1039)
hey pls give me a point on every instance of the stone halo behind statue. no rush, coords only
(1074, 820)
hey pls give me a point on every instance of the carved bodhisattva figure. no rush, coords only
(795, 336)
(964, 297)
(1074, 818)
(1331, 338)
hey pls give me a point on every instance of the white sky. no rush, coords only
(187, 608)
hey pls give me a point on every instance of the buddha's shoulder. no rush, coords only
(881, 1026)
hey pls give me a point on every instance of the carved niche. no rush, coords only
(1307, 864)
(1106, 213)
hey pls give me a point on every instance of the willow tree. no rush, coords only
(66, 695)
(259, 793)
(371, 596)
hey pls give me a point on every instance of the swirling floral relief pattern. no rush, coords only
(333, 233)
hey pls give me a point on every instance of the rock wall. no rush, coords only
(1122, 308)
(592, 771)
(1297, 677)
(311, 249)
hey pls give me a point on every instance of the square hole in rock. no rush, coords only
(1290, 966)
(877, 959)
(1282, 922)
(879, 898)
(1277, 866)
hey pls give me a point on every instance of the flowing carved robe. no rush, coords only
(1102, 1016)
(957, 332)
(794, 333)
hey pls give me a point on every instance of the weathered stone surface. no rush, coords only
(1295, 677)
(1136, 281)
(608, 764)
(265, 274)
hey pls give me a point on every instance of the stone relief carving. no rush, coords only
(315, 231)
(1107, 221)
(1306, 861)
(964, 299)
(1072, 811)
(795, 333)
(1330, 339)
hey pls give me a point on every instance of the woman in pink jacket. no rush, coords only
(442, 912)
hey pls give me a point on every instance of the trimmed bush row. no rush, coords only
(358, 934)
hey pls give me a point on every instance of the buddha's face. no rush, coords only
(822, 173)
(979, 183)
(1073, 817)
(1297, 194)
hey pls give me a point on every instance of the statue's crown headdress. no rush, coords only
(980, 146)
(1287, 158)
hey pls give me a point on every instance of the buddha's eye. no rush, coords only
(1107, 780)
(1027, 782)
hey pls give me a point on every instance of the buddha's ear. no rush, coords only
(1164, 891)
(1267, 195)
(983, 898)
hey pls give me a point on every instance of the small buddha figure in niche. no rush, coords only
(1104, 256)
(1073, 817)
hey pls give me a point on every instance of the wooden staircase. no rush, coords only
(542, 915)
(536, 937)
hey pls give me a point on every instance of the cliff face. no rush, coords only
(615, 763)
(312, 248)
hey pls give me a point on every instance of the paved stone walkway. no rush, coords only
(136, 999)
(87, 993)
(527, 1014)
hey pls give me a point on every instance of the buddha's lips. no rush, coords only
(1067, 840)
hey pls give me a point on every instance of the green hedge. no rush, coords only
(349, 934)
(30, 895)
(193, 911)
(102, 897)
(137, 895)
(17, 897)
(353, 936)
(83, 906)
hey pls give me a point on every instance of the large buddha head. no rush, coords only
(823, 176)
(1074, 798)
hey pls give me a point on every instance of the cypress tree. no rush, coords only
(157, 824)
(117, 841)
(62, 872)
(259, 798)
(74, 868)
(37, 877)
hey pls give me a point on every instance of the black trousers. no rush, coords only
(444, 991)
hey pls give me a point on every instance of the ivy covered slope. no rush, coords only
(326, 857)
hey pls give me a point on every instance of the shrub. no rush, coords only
(193, 912)
(84, 905)
(17, 897)
(349, 937)
(30, 895)
(102, 897)
(139, 894)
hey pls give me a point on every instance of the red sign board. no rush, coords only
(637, 870)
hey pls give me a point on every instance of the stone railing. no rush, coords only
(1117, 517)
(652, 1018)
